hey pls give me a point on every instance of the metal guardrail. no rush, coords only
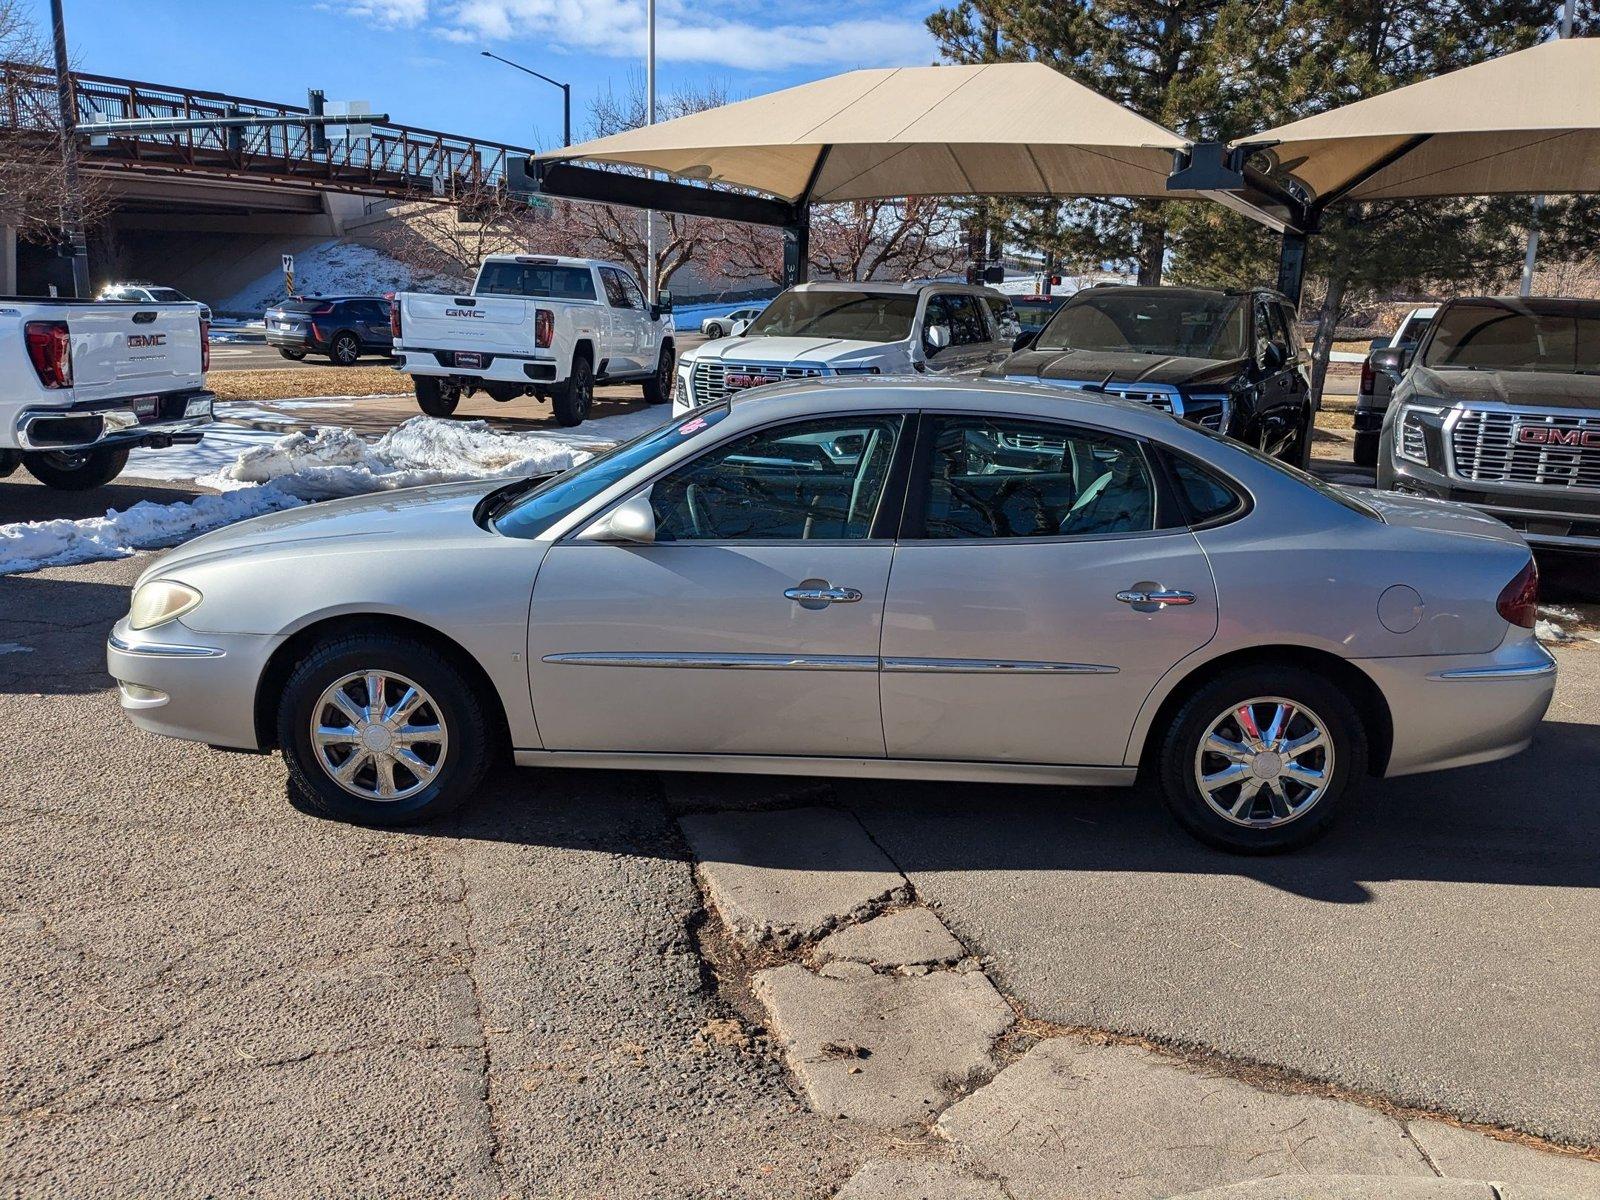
(400, 161)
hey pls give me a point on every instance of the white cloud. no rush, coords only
(758, 35)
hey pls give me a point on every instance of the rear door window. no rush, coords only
(535, 280)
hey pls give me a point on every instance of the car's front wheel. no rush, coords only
(345, 350)
(1261, 759)
(713, 331)
(381, 729)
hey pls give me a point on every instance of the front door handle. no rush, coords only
(1147, 598)
(819, 593)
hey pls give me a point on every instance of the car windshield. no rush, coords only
(541, 281)
(532, 514)
(1187, 324)
(838, 313)
(167, 295)
(1509, 336)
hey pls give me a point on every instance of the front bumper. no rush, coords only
(1458, 710)
(168, 418)
(1547, 518)
(197, 686)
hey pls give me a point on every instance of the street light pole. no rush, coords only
(566, 94)
(650, 119)
(71, 208)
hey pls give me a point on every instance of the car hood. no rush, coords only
(1095, 365)
(1534, 389)
(1438, 516)
(783, 350)
(421, 514)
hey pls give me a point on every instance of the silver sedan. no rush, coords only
(895, 578)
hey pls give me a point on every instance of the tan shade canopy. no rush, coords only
(1526, 122)
(1002, 129)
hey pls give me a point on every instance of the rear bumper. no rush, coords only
(197, 686)
(494, 367)
(173, 417)
(291, 339)
(1457, 710)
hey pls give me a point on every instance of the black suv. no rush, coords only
(1226, 360)
(342, 327)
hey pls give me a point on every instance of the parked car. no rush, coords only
(1226, 360)
(1500, 408)
(1081, 590)
(536, 325)
(149, 293)
(1034, 312)
(82, 383)
(342, 327)
(818, 329)
(716, 327)
(1377, 387)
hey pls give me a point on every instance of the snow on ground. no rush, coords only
(336, 268)
(263, 470)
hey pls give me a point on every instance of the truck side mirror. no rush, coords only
(1392, 361)
(662, 306)
(938, 337)
(739, 327)
(1025, 340)
(634, 520)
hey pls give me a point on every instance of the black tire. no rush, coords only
(453, 702)
(571, 400)
(1298, 452)
(76, 470)
(344, 350)
(1178, 759)
(434, 397)
(10, 460)
(658, 388)
(1366, 451)
(713, 331)
(291, 355)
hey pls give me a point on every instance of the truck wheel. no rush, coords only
(571, 400)
(658, 388)
(76, 470)
(291, 355)
(344, 351)
(434, 397)
(1366, 452)
(10, 460)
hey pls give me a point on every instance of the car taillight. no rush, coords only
(1367, 377)
(1519, 599)
(325, 311)
(205, 345)
(394, 318)
(50, 350)
(544, 328)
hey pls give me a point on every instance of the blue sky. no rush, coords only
(419, 60)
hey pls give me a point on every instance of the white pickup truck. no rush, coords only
(535, 325)
(82, 383)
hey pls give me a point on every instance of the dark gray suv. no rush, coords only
(342, 327)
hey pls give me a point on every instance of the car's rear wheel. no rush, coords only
(1261, 759)
(571, 400)
(435, 396)
(383, 730)
(344, 350)
(10, 460)
(76, 470)
(713, 331)
(291, 354)
(658, 388)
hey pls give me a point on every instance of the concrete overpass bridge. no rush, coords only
(251, 190)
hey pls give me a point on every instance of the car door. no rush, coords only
(1018, 626)
(374, 323)
(625, 354)
(970, 343)
(750, 625)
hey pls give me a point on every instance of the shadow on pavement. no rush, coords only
(21, 499)
(1529, 821)
(53, 634)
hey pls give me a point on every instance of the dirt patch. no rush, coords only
(307, 381)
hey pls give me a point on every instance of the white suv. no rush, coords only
(853, 329)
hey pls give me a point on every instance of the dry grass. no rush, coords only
(307, 381)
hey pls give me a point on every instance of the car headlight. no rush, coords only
(160, 601)
(1411, 439)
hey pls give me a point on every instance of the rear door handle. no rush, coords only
(1150, 599)
(819, 593)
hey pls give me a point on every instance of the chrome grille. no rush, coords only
(1487, 447)
(1164, 396)
(710, 378)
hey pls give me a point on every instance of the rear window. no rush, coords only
(302, 306)
(541, 281)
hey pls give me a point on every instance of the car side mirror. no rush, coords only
(938, 337)
(1392, 361)
(1273, 358)
(1025, 340)
(634, 520)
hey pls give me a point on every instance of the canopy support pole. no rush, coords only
(797, 250)
(1292, 263)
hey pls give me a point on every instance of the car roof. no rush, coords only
(911, 288)
(1164, 289)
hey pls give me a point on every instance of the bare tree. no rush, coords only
(33, 179)
(451, 237)
(886, 239)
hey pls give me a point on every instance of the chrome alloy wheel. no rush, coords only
(378, 735)
(1264, 763)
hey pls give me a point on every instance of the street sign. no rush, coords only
(356, 130)
(288, 274)
(288, 264)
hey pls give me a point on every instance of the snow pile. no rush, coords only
(331, 461)
(27, 546)
(1552, 623)
(336, 268)
(317, 464)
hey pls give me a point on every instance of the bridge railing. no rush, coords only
(396, 160)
